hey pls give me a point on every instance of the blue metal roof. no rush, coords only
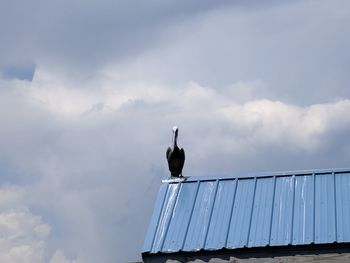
(276, 209)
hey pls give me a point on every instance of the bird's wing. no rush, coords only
(168, 152)
(182, 153)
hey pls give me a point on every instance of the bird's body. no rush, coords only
(175, 157)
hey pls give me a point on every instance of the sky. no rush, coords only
(90, 91)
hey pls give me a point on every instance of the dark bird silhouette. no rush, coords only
(175, 156)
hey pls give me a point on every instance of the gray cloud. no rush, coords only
(298, 50)
(253, 87)
(86, 34)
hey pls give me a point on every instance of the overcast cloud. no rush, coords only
(89, 92)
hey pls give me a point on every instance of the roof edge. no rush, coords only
(246, 175)
(282, 250)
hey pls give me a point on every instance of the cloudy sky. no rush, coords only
(89, 92)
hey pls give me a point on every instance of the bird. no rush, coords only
(175, 156)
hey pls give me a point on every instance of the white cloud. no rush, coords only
(24, 237)
(299, 128)
(59, 257)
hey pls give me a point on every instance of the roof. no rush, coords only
(273, 209)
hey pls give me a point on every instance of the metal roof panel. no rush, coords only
(198, 226)
(282, 211)
(154, 224)
(276, 209)
(221, 215)
(181, 216)
(241, 214)
(165, 216)
(303, 210)
(259, 234)
(343, 206)
(324, 209)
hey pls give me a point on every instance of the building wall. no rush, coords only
(288, 259)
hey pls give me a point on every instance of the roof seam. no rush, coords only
(251, 212)
(314, 209)
(273, 205)
(231, 211)
(335, 208)
(293, 204)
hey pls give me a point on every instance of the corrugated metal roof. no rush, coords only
(286, 208)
